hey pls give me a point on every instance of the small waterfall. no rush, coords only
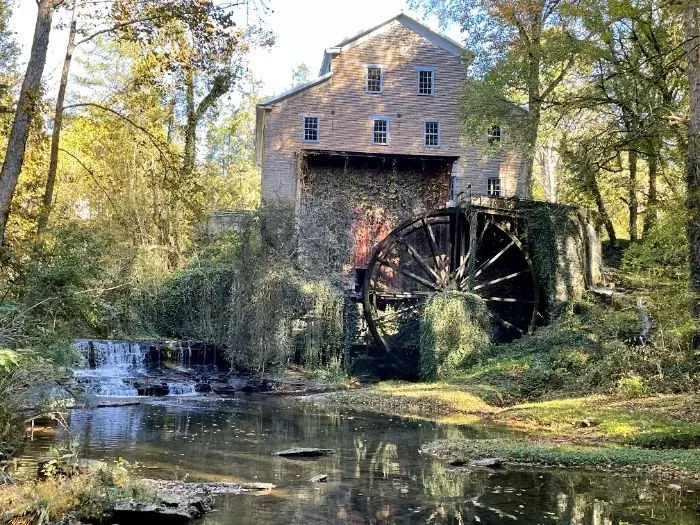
(181, 388)
(106, 365)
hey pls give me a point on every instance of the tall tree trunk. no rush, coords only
(632, 204)
(26, 108)
(691, 23)
(57, 124)
(190, 125)
(525, 174)
(592, 184)
(652, 196)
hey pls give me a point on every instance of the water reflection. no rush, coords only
(376, 475)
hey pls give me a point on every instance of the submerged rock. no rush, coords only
(139, 512)
(304, 452)
(488, 462)
(320, 478)
(177, 501)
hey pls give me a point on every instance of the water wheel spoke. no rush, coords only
(409, 274)
(505, 323)
(501, 279)
(493, 259)
(416, 256)
(389, 295)
(509, 300)
(431, 239)
(392, 314)
(483, 232)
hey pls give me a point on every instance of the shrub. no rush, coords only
(631, 386)
(454, 326)
(250, 293)
(664, 249)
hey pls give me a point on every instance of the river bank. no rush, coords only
(658, 433)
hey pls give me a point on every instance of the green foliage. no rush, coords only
(454, 327)
(524, 452)
(86, 497)
(547, 230)
(631, 386)
(591, 346)
(249, 293)
(688, 438)
(663, 252)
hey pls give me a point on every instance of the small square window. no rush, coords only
(374, 79)
(494, 135)
(425, 82)
(432, 133)
(494, 187)
(310, 129)
(380, 132)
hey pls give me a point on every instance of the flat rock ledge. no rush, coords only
(307, 452)
(177, 501)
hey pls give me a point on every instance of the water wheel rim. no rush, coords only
(452, 216)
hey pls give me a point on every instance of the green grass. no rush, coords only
(661, 421)
(542, 453)
(653, 422)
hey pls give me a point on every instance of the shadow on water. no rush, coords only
(375, 476)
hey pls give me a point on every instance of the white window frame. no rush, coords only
(433, 71)
(303, 128)
(425, 133)
(374, 120)
(500, 186)
(381, 78)
(492, 138)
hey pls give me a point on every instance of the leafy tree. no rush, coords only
(300, 74)
(202, 51)
(691, 22)
(523, 52)
(8, 56)
(635, 84)
(27, 104)
(210, 33)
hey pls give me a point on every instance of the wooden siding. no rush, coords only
(345, 112)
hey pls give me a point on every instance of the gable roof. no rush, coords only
(451, 46)
(443, 42)
(297, 89)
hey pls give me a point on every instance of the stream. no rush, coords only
(376, 475)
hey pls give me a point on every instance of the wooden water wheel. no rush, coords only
(449, 249)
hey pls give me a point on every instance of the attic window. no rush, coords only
(374, 79)
(310, 129)
(494, 135)
(425, 82)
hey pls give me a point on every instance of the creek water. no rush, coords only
(376, 475)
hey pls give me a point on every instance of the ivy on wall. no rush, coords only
(348, 205)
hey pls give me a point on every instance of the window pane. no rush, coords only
(425, 82)
(310, 128)
(494, 135)
(494, 187)
(374, 79)
(432, 133)
(379, 132)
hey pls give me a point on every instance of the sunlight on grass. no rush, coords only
(450, 395)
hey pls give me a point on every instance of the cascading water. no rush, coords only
(113, 368)
(113, 361)
(181, 388)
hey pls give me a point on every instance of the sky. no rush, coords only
(304, 29)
